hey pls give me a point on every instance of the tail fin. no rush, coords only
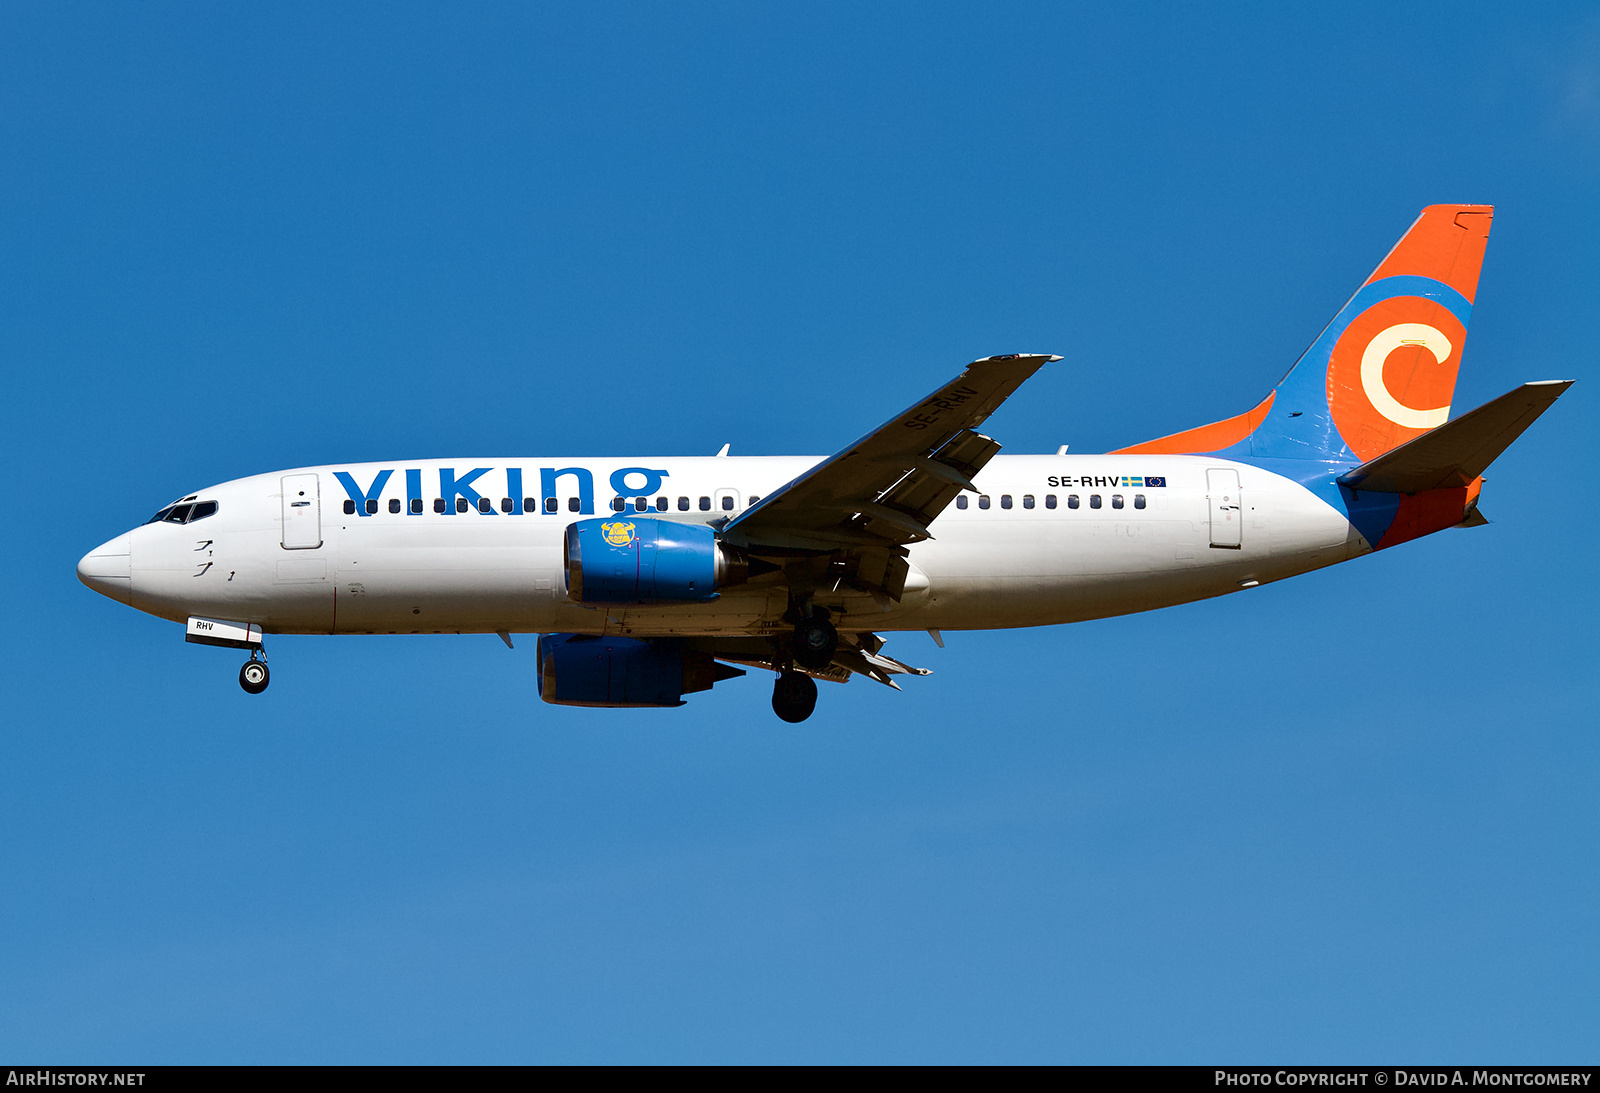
(1383, 371)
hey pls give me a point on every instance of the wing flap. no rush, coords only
(858, 654)
(933, 481)
(891, 484)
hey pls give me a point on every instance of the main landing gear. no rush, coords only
(815, 640)
(794, 696)
(254, 677)
(811, 646)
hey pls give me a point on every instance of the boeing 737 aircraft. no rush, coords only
(651, 578)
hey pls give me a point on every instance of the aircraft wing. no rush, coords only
(885, 489)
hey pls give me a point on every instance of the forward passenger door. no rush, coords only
(302, 512)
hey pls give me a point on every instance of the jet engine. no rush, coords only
(627, 560)
(579, 670)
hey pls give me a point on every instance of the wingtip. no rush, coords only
(1017, 357)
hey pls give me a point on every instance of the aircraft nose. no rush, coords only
(108, 569)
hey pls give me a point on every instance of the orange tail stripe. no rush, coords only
(1205, 438)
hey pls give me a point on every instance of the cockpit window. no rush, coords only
(184, 514)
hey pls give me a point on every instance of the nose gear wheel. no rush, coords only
(254, 677)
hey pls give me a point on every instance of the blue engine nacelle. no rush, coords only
(625, 560)
(578, 670)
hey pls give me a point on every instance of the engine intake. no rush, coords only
(624, 560)
(579, 670)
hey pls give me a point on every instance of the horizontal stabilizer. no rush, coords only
(1457, 452)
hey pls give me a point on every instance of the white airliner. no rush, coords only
(648, 578)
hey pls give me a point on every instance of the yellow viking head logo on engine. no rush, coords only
(618, 533)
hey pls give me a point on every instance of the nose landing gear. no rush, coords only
(254, 677)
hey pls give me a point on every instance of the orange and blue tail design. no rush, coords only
(1383, 372)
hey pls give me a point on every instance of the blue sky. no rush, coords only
(1345, 818)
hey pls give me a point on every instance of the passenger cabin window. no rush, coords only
(349, 508)
(416, 505)
(983, 500)
(551, 504)
(727, 504)
(683, 504)
(507, 506)
(1094, 500)
(572, 504)
(1072, 500)
(461, 504)
(438, 504)
(1005, 500)
(961, 501)
(618, 504)
(529, 504)
(754, 497)
(394, 504)
(1138, 500)
(661, 504)
(1116, 500)
(372, 506)
(1049, 500)
(705, 504)
(1027, 500)
(640, 504)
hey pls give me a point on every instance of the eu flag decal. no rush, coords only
(1153, 482)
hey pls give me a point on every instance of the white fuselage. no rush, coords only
(325, 566)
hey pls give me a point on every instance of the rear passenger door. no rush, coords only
(1227, 514)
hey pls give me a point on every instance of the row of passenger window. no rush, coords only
(531, 504)
(642, 504)
(180, 513)
(1050, 501)
(184, 514)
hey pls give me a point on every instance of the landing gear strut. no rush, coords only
(794, 696)
(254, 677)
